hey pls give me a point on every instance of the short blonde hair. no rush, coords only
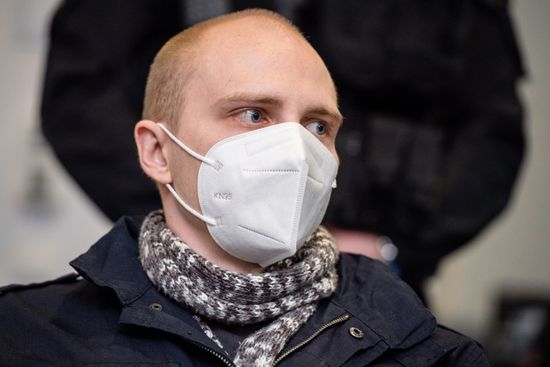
(175, 62)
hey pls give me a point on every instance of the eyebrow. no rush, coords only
(321, 111)
(250, 98)
(259, 99)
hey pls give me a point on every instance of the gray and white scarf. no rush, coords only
(286, 292)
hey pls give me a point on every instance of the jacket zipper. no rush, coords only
(214, 353)
(336, 321)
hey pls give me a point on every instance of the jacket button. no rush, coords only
(356, 333)
(155, 306)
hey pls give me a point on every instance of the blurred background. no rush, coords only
(46, 220)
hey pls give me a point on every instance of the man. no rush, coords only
(433, 139)
(239, 124)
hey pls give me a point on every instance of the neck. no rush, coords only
(194, 233)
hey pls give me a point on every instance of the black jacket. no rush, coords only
(110, 315)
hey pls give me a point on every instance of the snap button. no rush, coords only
(356, 333)
(155, 306)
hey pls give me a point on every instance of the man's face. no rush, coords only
(245, 81)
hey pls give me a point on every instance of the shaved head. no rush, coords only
(227, 76)
(177, 60)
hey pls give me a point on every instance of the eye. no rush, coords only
(251, 115)
(317, 127)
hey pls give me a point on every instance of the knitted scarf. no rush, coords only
(286, 292)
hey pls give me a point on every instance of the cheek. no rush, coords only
(208, 132)
(184, 169)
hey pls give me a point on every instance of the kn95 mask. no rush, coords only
(262, 193)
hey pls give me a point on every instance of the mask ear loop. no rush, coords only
(215, 164)
(204, 218)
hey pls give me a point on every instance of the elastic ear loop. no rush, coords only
(202, 217)
(210, 162)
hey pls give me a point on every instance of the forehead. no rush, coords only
(248, 56)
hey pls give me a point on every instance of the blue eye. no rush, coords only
(317, 127)
(252, 115)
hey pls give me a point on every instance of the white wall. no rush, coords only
(39, 233)
(39, 236)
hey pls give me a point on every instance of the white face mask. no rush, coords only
(262, 193)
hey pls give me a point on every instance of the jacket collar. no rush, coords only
(366, 290)
(113, 262)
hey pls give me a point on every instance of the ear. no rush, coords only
(152, 158)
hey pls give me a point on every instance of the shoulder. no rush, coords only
(391, 308)
(67, 291)
(50, 314)
(465, 351)
(43, 294)
(454, 349)
(370, 291)
(364, 275)
(444, 348)
(11, 288)
(24, 304)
